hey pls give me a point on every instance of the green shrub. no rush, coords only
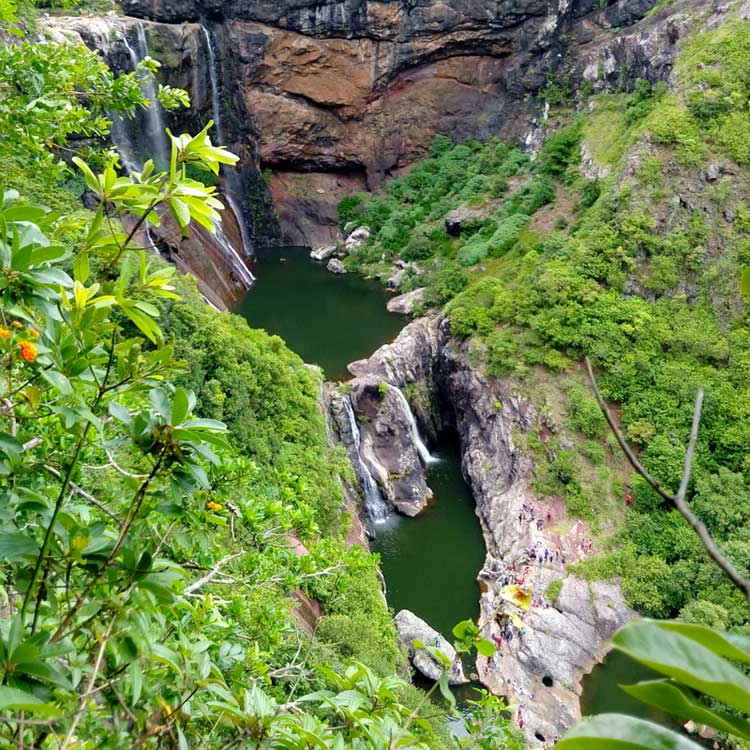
(506, 235)
(561, 151)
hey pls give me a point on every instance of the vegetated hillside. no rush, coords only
(624, 240)
(150, 561)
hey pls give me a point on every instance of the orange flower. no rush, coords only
(214, 506)
(16, 324)
(4, 333)
(34, 332)
(28, 351)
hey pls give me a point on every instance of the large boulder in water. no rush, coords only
(412, 628)
(336, 266)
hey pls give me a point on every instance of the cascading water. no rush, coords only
(155, 126)
(217, 114)
(121, 131)
(142, 136)
(422, 449)
(376, 508)
(238, 264)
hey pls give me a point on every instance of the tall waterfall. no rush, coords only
(121, 132)
(376, 507)
(155, 126)
(230, 179)
(422, 449)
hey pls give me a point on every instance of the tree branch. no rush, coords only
(677, 500)
(212, 573)
(85, 495)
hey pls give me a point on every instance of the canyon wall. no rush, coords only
(335, 96)
(546, 651)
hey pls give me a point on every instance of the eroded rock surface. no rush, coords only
(412, 628)
(338, 95)
(405, 303)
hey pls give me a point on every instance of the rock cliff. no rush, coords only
(545, 652)
(337, 95)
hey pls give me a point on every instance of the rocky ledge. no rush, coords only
(413, 629)
(547, 647)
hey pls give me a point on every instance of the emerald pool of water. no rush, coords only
(328, 320)
(602, 692)
(430, 563)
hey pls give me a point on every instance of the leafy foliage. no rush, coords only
(700, 683)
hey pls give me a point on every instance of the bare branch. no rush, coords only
(85, 495)
(215, 571)
(677, 500)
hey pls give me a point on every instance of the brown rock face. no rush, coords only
(350, 92)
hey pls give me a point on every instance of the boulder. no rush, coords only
(405, 303)
(357, 238)
(457, 219)
(400, 271)
(323, 253)
(412, 628)
(336, 266)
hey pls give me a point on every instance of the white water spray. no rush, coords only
(155, 126)
(421, 446)
(376, 507)
(216, 107)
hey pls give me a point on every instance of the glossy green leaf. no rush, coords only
(180, 406)
(485, 647)
(13, 699)
(619, 732)
(673, 699)
(729, 645)
(685, 660)
(445, 689)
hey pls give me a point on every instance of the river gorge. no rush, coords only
(322, 100)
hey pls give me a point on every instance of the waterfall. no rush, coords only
(422, 449)
(376, 507)
(155, 127)
(238, 264)
(120, 130)
(230, 180)
(213, 68)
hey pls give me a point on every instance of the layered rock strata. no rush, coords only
(337, 95)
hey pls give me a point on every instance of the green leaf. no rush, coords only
(180, 406)
(81, 268)
(18, 700)
(667, 696)
(465, 630)
(88, 175)
(618, 732)
(685, 660)
(485, 647)
(445, 689)
(144, 324)
(745, 282)
(729, 645)
(17, 548)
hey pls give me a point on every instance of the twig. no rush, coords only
(85, 495)
(212, 573)
(677, 500)
(92, 682)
